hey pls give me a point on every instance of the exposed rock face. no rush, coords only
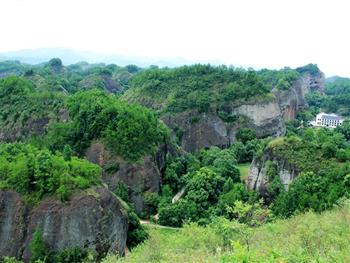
(292, 100)
(201, 130)
(139, 177)
(258, 179)
(96, 221)
(265, 118)
(12, 224)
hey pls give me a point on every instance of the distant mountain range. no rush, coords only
(69, 56)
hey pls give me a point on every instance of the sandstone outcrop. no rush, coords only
(139, 177)
(202, 130)
(292, 100)
(258, 179)
(94, 219)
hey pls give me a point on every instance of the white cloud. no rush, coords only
(269, 33)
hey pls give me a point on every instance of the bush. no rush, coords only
(245, 134)
(38, 248)
(70, 255)
(136, 232)
(151, 200)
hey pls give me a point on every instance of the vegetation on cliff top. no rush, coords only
(321, 158)
(22, 106)
(201, 87)
(131, 131)
(36, 173)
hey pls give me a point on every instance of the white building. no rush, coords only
(327, 120)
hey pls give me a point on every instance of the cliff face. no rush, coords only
(292, 100)
(200, 130)
(258, 179)
(139, 177)
(95, 220)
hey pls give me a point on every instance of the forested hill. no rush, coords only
(88, 149)
(54, 76)
(205, 87)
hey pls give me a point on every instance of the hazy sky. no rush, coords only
(257, 33)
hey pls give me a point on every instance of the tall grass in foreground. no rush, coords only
(309, 237)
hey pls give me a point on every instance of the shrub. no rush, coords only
(136, 232)
(38, 248)
(245, 134)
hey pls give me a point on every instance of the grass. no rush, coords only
(244, 170)
(308, 237)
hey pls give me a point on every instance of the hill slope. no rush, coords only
(309, 237)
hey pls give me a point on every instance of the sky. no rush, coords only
(248, 33)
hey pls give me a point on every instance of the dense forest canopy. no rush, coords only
(198, 87)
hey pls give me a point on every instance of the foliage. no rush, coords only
(319, 157)
(344, 129)
(36, 173)
(202, 190)
(136, 232)
(245, 134)
(22, 107)
(122, 191)
(38, 248)
(130, 131)
(311, 69)
(69, 255)
(177, 168)
(201, 87)
(10, 260)
(249, 214)
(310, 237)
(279, 79)
(336, 98)
(151, 201)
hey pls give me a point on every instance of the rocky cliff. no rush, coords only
(138, 177)
(258, 178)
(94, 219)
(292, 100)
(266, 118)
(201, 130)
(282, 160)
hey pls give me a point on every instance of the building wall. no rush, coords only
(326, 122)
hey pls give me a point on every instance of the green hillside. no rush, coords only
(308, 237)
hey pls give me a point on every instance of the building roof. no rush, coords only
(331, 116)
